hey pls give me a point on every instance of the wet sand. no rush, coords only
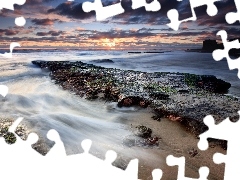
(175, 140)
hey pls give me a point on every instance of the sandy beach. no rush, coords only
(176, 141)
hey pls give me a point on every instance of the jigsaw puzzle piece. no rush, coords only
(233, 148)
(131, 172)
(180, 162)
(94, 168)
(103, 13)
(211, 7)
(231, 169)
(3, 90)
(232, 17)
(10, 4)
(216, 131)
(110, 157)
(203, 143)
(12, 46)
(16, 156)
(173, 14)
(224, 53)
(153, 6)
(58, 150)
(157, 174)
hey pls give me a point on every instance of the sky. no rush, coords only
(64, 24)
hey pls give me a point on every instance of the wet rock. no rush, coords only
(10, 138)
(174, 117)
(151, 141)
(132, 101)
(103, 61)
(148, 142)
(143, 131)
(207, 82)
(157, 118)
(192, 152)
(217, 142)
(212, 84)
(111, 94)
(159, 95)
(160, 112)
(183, 91)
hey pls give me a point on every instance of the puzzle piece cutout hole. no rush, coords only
(102, 12)
(234, 17)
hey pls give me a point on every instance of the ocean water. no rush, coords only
(44, 105)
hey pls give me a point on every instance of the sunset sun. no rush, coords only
(108, 43)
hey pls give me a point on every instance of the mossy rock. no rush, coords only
(10, 138)
(143, 131)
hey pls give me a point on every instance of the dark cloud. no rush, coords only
(9, 32)
(141, 16)
(34, 2)
(71, 10)
(232, 33)
(50, 33)
(130, 16)
(223, 7)
(44, 22)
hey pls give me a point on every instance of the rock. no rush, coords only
(157, 118)
(143, 131)
(212, 84)
(102, 61)
(174, 117)
(192, 152)
(160, 113)
(151, 141)
(10, 138)
(207, 82)
(159, 95)
(135, 88)
(183, 91)
(132, 101)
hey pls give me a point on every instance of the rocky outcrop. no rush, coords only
(207, 82)
(181, 97)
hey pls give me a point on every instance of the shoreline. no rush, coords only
(179, 144)
(175, 95)
(181, 97)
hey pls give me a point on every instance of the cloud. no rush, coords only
(50, 33)
(71, 10)
(44, 22)
(116, 33)
(141, 16)
(9, 32)
(34, 2)
(223, 7)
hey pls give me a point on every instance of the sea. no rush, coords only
(44, 105)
